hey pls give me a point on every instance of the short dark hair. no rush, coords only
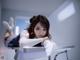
(36, 19)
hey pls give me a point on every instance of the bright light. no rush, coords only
(66, 12)
(17, 31)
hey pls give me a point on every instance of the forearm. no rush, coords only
(29, 42)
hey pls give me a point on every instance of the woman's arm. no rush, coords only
(30, 42)
(49, 46)
(25, 41)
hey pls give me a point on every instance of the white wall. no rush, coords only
(67, 32)
(0, 17)
(0, 25)
(78, 28)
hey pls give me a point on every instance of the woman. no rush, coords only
(6, 37)
(37, 34)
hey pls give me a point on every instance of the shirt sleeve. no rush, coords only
(26, 42)
(24, 34)
(29, 42)
(49, 46)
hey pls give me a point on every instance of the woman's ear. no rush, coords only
(32, 33)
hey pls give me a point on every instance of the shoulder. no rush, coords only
(50, 43)
(24, 33)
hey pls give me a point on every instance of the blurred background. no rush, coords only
(64, 17)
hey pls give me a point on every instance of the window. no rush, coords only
(66, 12)
(17, 30)
(21, 23)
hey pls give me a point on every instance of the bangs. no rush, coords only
(44, 25)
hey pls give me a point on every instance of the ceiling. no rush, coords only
(45, 7)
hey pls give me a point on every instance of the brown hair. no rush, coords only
(36, 19)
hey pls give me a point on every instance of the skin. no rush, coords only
(39, 30)
(7, 34)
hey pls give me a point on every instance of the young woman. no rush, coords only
(37, 34)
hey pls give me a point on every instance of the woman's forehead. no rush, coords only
(40, 25)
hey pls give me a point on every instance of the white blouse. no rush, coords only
(26, 42)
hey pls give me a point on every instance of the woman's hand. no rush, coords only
(43, 39)
(7, 35)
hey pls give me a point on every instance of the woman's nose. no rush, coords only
(41, 33)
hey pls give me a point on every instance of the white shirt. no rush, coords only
(26, 42)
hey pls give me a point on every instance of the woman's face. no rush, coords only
(39, 30)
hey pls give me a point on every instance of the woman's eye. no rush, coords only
(44, 29)
(37, 28)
